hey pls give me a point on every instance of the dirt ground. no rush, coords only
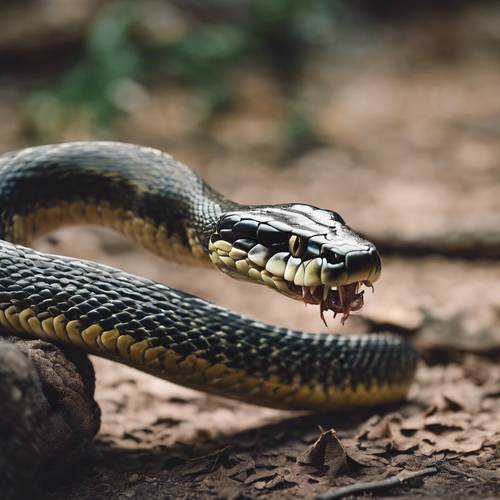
(409, 120)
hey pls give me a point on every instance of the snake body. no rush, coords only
(299, 250)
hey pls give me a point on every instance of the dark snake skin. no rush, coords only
(210, 348)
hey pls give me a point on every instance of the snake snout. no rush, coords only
(363, 264)
(350, 259)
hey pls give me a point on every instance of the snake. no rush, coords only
(304, 252)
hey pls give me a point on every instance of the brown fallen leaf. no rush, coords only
(196, 468)
(387, 432)
(270, 461)
(260, 476)
(380, 447)
(406, 461)
(444, 422)
(367, 460)
(480, 370)
(224, 486)
(458, 442)
(413, 423)
(464, 396)
(326, 450)
(373, 429)
(279, 481)
(246, 466)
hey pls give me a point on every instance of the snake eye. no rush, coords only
(296, 245)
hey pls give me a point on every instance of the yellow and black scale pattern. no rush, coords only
(164, 206)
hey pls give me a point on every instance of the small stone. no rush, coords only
(133, 478)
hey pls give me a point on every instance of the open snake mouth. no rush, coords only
(342, 299)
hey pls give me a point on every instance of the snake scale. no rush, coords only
(304, 252)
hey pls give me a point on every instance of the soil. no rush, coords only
(409, 118)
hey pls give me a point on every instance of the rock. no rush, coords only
(48, 414)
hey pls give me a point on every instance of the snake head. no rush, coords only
(302, 251)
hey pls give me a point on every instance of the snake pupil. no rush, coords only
(295, 245)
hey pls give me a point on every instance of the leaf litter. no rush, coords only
(449, 423)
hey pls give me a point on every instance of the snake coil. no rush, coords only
(304, 252)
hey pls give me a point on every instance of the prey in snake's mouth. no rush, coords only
(343, 299)
(304, 252)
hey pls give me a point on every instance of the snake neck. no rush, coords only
(141, 192)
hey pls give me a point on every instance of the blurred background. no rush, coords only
(387, 112)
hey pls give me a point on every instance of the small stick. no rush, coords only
(375, 485)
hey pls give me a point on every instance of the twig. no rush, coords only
(375, 485)
(457, 471)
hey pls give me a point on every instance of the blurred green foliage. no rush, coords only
(298, 135)
(116, 61)
(110, 57)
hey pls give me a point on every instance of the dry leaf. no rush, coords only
(241, 467)
(327, 450)
(365, 459)
(260, 476)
